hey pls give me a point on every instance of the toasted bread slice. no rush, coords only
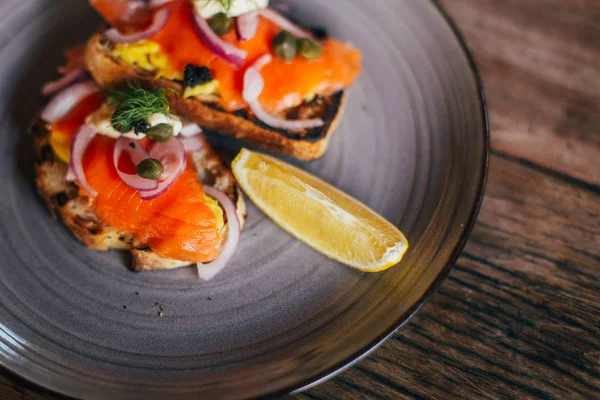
(308, 144)
(76, 212)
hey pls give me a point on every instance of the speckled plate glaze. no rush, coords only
(413, 145)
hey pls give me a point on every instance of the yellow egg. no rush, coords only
(61, 144)
(145, 54)
(214, 206)
(208, 88)
(149, 56)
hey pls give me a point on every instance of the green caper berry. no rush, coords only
(309, 49)
(221, 23)
(150, 168)
(160, 133)
(285, 45)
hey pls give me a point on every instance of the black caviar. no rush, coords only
(194, 75)
(141, 127)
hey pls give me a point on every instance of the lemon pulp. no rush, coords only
(320, 215)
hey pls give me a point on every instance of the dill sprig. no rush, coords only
(226, 4)
(135, 104)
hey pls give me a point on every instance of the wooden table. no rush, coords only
(519, 316)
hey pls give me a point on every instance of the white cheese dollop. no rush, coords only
(208, 8)
(101, 121)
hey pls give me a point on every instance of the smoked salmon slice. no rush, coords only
(178, 224)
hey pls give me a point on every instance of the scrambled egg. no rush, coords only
(61, 144)
(149, 56)
(145, 54)
(214, 206)
(207, 88)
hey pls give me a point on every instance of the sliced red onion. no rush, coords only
(137, 154)
(53, 87)
(284, 23)
(158, 22)
(158, 3)
(161, 151)
(190, 129)
(163, 186)
(262, 61)
(192, 144)
(253, 81)
(80, 142)
(64, 101)
(246, 25)
(280, 123)
(208, 271)
(173, 158)
(224, 50)
(253, 86)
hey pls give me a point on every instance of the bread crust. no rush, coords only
(308, 144)
(77, 213)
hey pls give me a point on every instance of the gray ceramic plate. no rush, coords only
(412, 145)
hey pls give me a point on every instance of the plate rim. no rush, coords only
(293, 389)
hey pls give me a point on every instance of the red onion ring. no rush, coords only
(208, 271)
(158, 22)
(80, 142)
(64, 101)
(158, 3)
(137, 154)
(246, 25)
(190, 129)
(173, 158)
(262, 61)
(224, 50)
(255, 82)
(53, 87)
(284, 23)
(279, 123)
(253, 87)
(192, 144)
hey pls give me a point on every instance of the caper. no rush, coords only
(160, 133)
(221, 24)
(150, 168)
(285, 45)
(309, 49)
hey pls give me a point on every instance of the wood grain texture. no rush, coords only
(519, 316)
(539, 60)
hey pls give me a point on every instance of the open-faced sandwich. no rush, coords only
(123, 172)
(122, 160)
(234, 67)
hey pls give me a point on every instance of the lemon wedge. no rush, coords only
(318, 214)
